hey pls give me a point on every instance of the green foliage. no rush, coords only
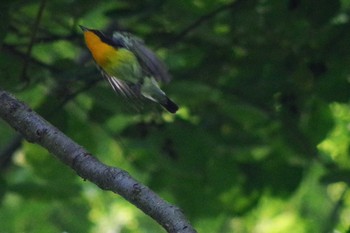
(261, 140)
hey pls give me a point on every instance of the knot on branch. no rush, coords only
(38, 135)
(136, 190)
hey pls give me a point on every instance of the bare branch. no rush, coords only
(36, 130)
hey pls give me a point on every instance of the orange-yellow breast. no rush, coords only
(116, 62)
(99, 50)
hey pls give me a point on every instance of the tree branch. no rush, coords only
(36, 130)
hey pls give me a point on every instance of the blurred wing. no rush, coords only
(148, 60)
(151, 63)
(121, 86)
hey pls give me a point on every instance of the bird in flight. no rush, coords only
(131, 68)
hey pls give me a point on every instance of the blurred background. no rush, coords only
(261, 140)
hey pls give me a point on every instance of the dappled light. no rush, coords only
(260, 142)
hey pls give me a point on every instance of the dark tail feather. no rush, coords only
(170, 105)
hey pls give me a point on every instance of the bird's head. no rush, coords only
(92, 35)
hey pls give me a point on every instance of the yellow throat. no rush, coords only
(99, 49)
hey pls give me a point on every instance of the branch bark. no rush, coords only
(37, 130)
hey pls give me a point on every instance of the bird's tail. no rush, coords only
(151, 90)
(169, 105)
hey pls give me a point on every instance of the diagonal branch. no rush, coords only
(36, 130)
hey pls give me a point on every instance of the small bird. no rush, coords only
(131, 68)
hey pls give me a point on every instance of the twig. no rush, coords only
(32, 40)
(334, 215)
(20, 55)
(87, 86)
(48, 39)
(35, 129)
(205, 18)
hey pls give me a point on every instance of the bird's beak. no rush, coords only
(83, 28)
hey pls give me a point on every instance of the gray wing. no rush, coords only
(148, 60)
